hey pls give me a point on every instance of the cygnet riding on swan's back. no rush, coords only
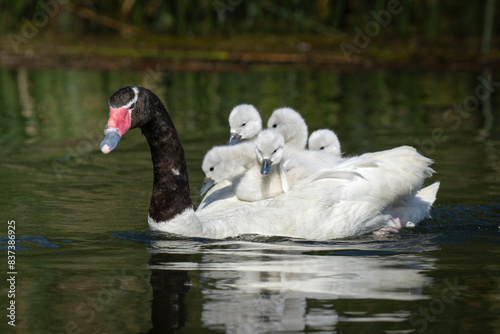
(321, 209)
(263, 179)
(292, 127)
(259, 171)
(223, 163)
(292, 167)
(325, 140)
(252, 169)
(245, 124)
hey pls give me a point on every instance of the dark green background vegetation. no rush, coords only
(428, 33)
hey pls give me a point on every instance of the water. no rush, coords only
(86, 262)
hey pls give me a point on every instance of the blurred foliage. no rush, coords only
(430, 18)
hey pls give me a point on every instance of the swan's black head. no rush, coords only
(127, 110)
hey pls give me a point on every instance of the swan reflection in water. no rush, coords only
(252, 287)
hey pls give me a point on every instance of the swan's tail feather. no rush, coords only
(429, 193)
(400, 173)
(415, 207)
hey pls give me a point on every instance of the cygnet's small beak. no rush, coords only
(234, 138)
(207, 183)
(266, 166)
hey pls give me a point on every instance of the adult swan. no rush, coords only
(320, 208)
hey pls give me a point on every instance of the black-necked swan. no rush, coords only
(325, 140)
(317, 210)
(245, 124)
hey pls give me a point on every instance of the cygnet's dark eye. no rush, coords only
(275, 125)
(322, 148)
(211, 169)
(275, 151)
(243, 124)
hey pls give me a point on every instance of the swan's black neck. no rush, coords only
(171, 194)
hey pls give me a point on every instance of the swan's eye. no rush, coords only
(211, 169)
(275, 151)
(243, 124)
(275, 125)
(322, 148)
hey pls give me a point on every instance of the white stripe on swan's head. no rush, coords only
(131, 102)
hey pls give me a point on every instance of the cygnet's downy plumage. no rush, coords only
(280, 171)
(224, 163)
(325, 140)
(244, 171)
(221, 165)
(292, 127)
(245, 124)
(263, 179)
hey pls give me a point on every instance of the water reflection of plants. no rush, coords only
(59, 104)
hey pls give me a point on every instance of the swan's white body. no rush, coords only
(291, 214)
(320, 207)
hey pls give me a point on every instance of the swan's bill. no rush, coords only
(118, 124)
(234, 138)
(207, 183)
(119, 119)
(110, 141)
(266, 166)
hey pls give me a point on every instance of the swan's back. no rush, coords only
(396, 173)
